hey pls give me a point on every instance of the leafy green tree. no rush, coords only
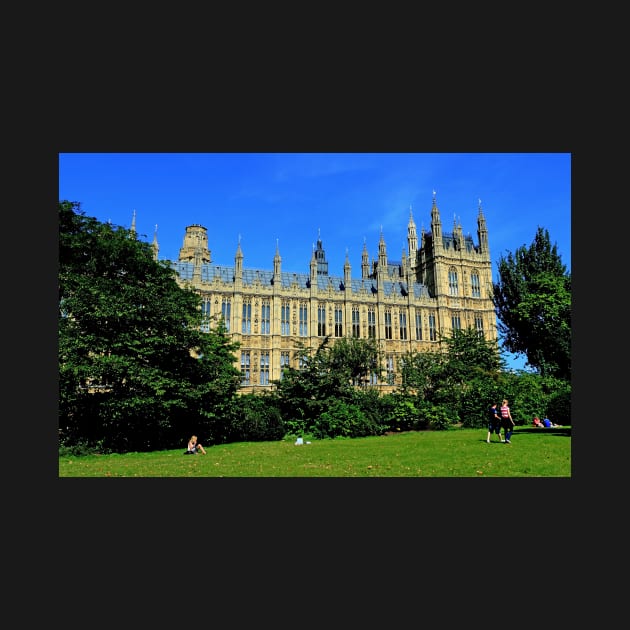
(559, 406)
(354, 359)
(215, 384)
(458, 380)
(470, 352)
(399, 412)
(136, 372)
(536, 395)
(421, 373)
(327, 374)
(340, 419)
(257, 419)
(533, 305)
(439, 376)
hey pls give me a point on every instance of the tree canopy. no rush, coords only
(328, 373)
(533, 305)
(136, 372)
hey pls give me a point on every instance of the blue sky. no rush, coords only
(346, 199)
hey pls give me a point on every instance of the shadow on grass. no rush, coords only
(563, 431)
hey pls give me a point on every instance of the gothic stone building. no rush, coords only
(442, 283)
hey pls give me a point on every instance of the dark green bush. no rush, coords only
(438, 417)
(79, 449)
(559, 408)
(257, 419)
(342, 419)
(400, 413)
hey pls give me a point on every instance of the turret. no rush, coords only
(277, 263)
(347, 274)
(382, 254)
(238, 266)
(436, 225)
(320, 256)
(238, 260)
(412, 238)
(458, 235)
(195, 244)
(155, 245)
(482, 232)
(365, 262)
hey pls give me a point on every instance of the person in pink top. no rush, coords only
(506, 421)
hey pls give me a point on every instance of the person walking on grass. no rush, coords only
(494, 422)
(506, 421)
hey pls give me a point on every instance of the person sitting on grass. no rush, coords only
(537, 422)
(548, 424)
(194, 446)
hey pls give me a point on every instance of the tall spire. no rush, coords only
(155, 246)
(382, 254)
(238, 263)
(482, 231)
(365, 262)
(436, 223)
(347, 273)
(277, 261)
(412, 237)
(132, 229)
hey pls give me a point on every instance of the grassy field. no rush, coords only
(453, 453)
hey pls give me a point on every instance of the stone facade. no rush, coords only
(442, 282)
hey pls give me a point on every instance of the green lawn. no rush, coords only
(453, 453)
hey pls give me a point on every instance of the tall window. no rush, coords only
(452, 283)
(389, 366)
(356, 330)
(338, 321)
(371, 323)
(265, 318)
(479, 325)
(418, 325)
(245, 368)
(285, 319)
(432, 328)
(226, 311)
(403, 325)
(264, 368)
(388, 324)
(456, 322)
(321, 320)
(205, 315)
(475, 285)
(303, 320)
(246, 325)
(284, 363)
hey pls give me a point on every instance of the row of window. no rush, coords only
(453, 284)
(263, 369)
(338, 331)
